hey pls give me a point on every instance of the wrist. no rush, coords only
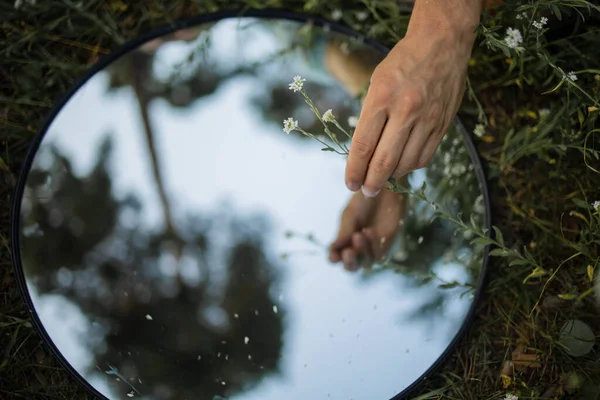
(451, 20)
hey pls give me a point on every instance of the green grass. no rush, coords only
(544, 173)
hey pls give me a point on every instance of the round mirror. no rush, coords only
(173, 241)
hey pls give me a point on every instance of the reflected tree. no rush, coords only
(172, 316)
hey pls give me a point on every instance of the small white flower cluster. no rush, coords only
(328, 116)
(297, 84)
(336, 14)
(522, 15)
(290, 125)
(362, 15)
(513, 38)
(540, 24)
(479, 130)
(570, 76)
(596, 205)
(352, 121)
(510, 396)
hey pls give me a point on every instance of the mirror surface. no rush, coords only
(174, 240)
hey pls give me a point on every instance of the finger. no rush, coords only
(430, 149)
(361, 245)
(409, 161)
(364, 141)
(387, 155)
(349, 258)
(373, 240)
(347, 228)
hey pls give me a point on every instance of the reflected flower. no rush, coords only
(290, 125)
(297, 84)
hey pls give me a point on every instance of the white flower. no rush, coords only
(362, 15)
(289, 125)
(479, 130)
(336, 14)
(328, 116)
(570, 76)
(297, 84)
(513, 38)
(352, 121)
(544, 112)
(522, 15)
(246, 340)
(596, 205)
(540, 24)
(510, 396)
(149, 317)
(275, 310)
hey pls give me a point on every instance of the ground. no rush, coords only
(534, 124)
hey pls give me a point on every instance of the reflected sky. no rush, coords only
(343, 335)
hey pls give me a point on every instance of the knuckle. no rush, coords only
(404, 168)
(412, 100)
(383, 163)
(360, 148)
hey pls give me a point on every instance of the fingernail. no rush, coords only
(369, 193)
(353, 186)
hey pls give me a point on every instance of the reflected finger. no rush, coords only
(349, 258)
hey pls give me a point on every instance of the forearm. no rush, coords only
(455, 20)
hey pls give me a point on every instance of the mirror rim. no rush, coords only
(164, 30)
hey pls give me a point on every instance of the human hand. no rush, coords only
(367, 229)
(413, 97)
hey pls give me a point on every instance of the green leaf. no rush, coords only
(481, 241)
(568, 296)
(498, 235)
(424, 189)
(449, 285)
(327, 149)
(580, 203)
(537, 272)
(519, 261)
(556, 11)
(426, 280)
(499, 253)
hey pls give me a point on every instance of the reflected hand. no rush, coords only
(413, 97)
(367, 229)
